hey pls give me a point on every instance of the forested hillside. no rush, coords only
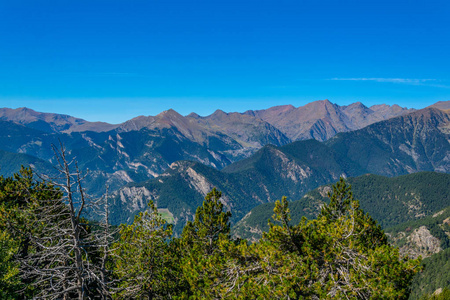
(391, 201)
(49, 251)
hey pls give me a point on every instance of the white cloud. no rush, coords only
(392, 80)
(411, 81)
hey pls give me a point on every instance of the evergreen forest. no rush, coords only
(51, 250)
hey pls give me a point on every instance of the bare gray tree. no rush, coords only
(67, 260)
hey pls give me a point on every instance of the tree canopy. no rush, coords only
(343, 253)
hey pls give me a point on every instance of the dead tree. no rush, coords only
(63, 262)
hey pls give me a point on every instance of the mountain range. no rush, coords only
(255, 158)
(145, 146)
(406, 144)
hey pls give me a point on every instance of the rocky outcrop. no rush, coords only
(421, 243)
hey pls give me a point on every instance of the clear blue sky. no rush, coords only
(113, 60)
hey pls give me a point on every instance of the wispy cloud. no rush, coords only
(102, 74)
(392, 80)
(410, 81)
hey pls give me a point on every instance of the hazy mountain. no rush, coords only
(442, 105)
(145, 147)
(138, 149)
(50, 122)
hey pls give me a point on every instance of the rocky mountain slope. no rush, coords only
(136, 150)
(140, 148)
(429, 238)
(50, 122)
(322, 120)
(423, 237)
(402, 145)
(264, 177)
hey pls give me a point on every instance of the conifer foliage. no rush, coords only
(144, 264)
(343, 254)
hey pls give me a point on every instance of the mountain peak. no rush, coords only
(219, 112)
(443, 105)
(324, 102)
(357, 106)
(320, 103)
(170, 113)
(193, 115)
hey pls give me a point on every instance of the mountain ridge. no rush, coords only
(298, 167)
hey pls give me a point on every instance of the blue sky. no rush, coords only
(113, 60)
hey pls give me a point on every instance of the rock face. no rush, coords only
(406, 144)
(423, 237)
(421, 243)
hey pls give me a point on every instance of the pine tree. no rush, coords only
(144, 263)
(203, 259)
(341, 254)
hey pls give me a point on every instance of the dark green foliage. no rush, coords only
(20, 196)
(202, 257)
(341, 254)
(442, 295)
(210, 223)
(9, 268)
(387, 200)
(253, 224)
(435, 274)
(435, 224)
(145, 264)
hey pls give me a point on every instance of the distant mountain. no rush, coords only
(138, 149)
(415, 142)
(406, 144)
(391, 201)
(246, 134)
(322, 120)
(249, 131)
(442, 105)
(144, 147)
(50, 122)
